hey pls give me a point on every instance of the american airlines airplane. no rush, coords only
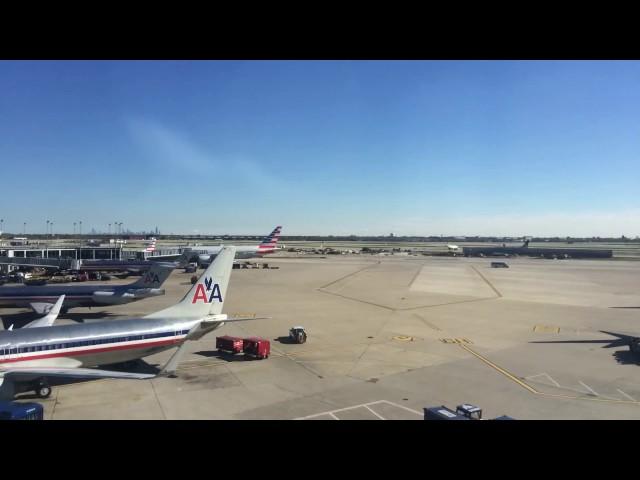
(205, 254)
(132, 266)
(29, 356)
(42, 299)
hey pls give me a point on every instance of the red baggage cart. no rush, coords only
(259, 348)
(229, 344)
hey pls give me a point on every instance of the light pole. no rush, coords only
(80, 227)
(47, 227)
(74, 229)
(109, 229)
(24, 228)
(1, 225)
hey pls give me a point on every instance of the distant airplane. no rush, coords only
(31, 355)
(42, 299)
(151, 247)
(206, 254)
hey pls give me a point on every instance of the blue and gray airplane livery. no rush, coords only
(42, 299)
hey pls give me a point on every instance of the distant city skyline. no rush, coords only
(422, 148)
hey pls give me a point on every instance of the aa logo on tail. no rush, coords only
(151, 278)
(201, 293)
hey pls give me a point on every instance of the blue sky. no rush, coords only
(322, 147)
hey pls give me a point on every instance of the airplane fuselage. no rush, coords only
(134, 266)
(205, 257)
(76, 295)
(92, 344)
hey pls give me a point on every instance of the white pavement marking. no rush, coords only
(628, 396)
(379, 416)
(531, 377)
(588, 388)
(403, 407)
(366, 405)
(552, 380)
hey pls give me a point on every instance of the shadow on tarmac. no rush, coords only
(227, 357)
(626, 357)
(285, 340)
(133, 366)
(80, 317)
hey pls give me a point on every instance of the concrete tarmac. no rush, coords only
(389, 335)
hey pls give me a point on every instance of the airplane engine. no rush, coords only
(110, 298)
(205, 259)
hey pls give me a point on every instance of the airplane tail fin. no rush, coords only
(207, 296)
(55, 310)
(270, 242)
(151, 247)
(49, 318)
(155, 276)
(183, 260)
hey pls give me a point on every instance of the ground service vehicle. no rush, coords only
(298, 334)
(21, 411)
(465, 411)
(229, 344)
(259, 348)
(470, 411)
(442, 413)
(499, 265)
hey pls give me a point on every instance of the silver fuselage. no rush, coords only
(76, 295)
(93, 344)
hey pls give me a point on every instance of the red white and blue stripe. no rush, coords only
(270, 241)
(88, 346)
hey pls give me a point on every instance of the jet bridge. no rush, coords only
(60, 263)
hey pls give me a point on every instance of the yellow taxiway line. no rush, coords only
(533, 390)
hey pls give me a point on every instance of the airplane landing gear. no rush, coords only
(42, 389)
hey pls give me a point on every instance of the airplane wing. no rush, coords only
(225, 319)
(49, 318)
(243, 319)
(164, 258)
(70, 372)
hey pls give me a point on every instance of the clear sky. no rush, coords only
(322, 147)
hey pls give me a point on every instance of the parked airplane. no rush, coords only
(206, 254)
(151, 246)
(32, 355)
(42, 299)
(131, 266)
(268, 245)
